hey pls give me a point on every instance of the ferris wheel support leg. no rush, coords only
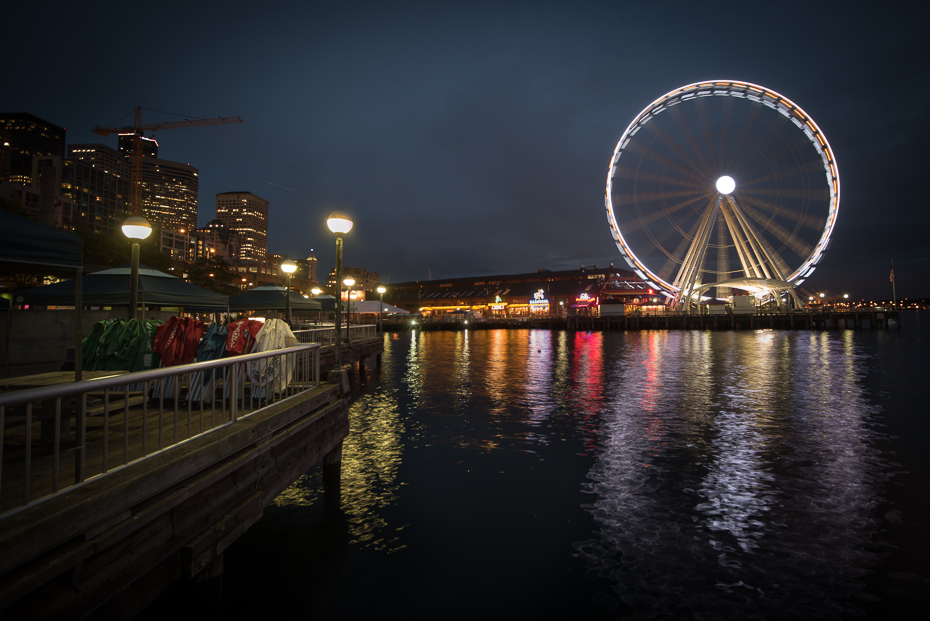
(770, 256)
(749, 270)
(691, 266)
(754, 250)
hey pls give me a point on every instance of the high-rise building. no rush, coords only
(224, 241)
(96, 179)
(29, 136)
(364, 280)
(46, 177)
(169, 194)
(311, 264)
(246, 215)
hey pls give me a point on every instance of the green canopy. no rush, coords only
(328, 304)
(27, 245)
(111, 288)
(271, 297)
(30, 246)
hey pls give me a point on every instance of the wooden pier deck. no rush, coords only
(112, 544)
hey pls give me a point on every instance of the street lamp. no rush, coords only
(317, 291)
(380, 289)
(340, 224)
(288, 267)
(348, 281)
(135, 228)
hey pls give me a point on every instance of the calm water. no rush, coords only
(666, 474)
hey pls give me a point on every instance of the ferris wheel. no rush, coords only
(724, 185)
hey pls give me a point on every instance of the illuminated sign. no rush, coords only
(539, 303)
(584, 298)
(497, 306)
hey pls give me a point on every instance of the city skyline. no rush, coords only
(476, 141)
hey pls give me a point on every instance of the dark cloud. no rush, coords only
(473, 138)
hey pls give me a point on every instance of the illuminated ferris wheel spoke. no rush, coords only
(797, 171)
(784, 152)
(675, 257)
(799, 217)
(648, 197)
(658, 214)
(804, 194)
(787, 238)
(740, 149)
(677, 150)
(674, 172)
(659, 178)
(697, 147)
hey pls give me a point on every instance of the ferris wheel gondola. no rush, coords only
(722, 184)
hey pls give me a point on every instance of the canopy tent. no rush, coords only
(372, 306)
(30, 246)
(271, 297)
(27, 245)
(111, 288)
(328, 303)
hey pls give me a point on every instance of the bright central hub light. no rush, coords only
(725, 184)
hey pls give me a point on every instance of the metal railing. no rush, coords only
(111, 422)
(327, 336)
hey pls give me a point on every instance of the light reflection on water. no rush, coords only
(732, 474)
(735, 475)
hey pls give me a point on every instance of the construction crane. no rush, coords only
(137, 129)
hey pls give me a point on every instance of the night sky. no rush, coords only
(473, 138)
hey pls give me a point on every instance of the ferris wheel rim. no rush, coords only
(743, 90)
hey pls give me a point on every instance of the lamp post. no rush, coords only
(348, 281)
(380, 289)
(135, 228)
(288, 267)
(340, 224)
(317, 291)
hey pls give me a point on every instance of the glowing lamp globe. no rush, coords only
(381, 288)
(288, 267)
(136, 227)
(349, 281)
(725, 184)
(339, 222)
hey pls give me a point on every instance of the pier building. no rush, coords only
(541, 293)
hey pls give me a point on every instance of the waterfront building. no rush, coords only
(29, 136)
(545, 292)
(247, 215)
